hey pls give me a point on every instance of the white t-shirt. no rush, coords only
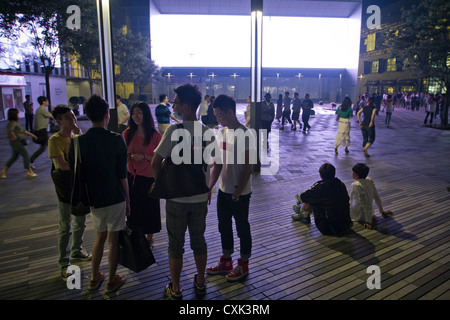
(122, 112)
(233, 148)
(196, 131)
(361, 200)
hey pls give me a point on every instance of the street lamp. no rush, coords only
(168, 75)
(234, 75)
(360, 77)
(299, 76)
(320, 94)
(278, 77)
(212, 75)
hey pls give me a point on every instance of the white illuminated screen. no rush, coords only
(224, 41)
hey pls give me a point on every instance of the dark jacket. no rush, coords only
(331, 205)
(104, 164)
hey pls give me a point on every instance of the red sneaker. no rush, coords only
(223, 267)
(239, 272)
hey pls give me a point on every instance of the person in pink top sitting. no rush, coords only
(142, 139)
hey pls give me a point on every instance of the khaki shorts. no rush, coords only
(162, 127)
(111, 218)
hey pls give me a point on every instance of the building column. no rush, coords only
(256, 74)
(107, 60)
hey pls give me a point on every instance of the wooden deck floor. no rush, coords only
(290, 260)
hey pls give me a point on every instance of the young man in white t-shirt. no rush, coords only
(185, 212)
(238, 152)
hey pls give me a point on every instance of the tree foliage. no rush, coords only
(422, 41)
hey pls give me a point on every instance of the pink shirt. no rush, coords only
(136, 145)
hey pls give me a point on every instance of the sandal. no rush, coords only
(118, 282)
(95, 284)
(200, 289)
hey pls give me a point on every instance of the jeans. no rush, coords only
(18, 148)
(426, 118)
(41, 150)
(305, 118)
(286, 115)
(388, 118)
(29, 121)
(368, 135)
(226, 210)
(69, 227)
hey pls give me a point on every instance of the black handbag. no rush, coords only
(134, 250)
(79, 199)
(179, 180)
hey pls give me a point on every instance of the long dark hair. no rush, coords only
(347, 103)
(148, 123)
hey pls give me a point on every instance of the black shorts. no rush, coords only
(295, 115)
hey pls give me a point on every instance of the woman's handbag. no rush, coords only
(179, 180)
(79, 200)
(134, 250)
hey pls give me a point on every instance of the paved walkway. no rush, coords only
(409, 164)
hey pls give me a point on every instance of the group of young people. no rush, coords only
(283, 112)
(16, 134)
(332, 207)
(120, 168)
(118, 172)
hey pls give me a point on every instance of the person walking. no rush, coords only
(17, 142)
(70, 227)
(104, 157)
(389, 108)
(235, 188)
(41, 127)
(296, 105)
(122, 114)
(343, 114)
(142, 139)
(163, 114)
(368, 124)
(307, 106)
(286, 110)
(203, 110)
(29, 113)
(279, 107)
(267, 115)
(431, 108)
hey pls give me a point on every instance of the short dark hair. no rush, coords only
(162, 97)
(41, 99)
(361, 170)
(190, 94)
(96, 108)
(225, 103)
(118, 97)
(59, 111)
(327, 171)
(27, 96)
(13, 114)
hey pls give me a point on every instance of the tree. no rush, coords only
(44, 21)
(84, 43)
(422, 42)
(132, 55)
